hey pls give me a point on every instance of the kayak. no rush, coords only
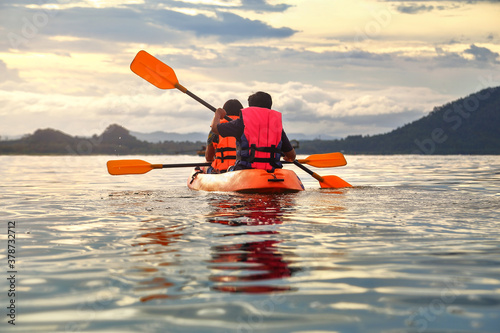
(247, 181)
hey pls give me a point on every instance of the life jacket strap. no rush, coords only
(273, 154)
(221, 156)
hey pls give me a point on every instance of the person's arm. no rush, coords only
(210, 153)
(210, 149)
(290, 156)
(219, 114)
(287, 148)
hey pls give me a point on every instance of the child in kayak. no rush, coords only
(259, 134)
(222, 151)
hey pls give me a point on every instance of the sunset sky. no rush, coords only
(333, 67)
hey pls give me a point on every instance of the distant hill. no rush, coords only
(43, 141)
(469, 125)
(304, 137)
(160, 136)
(115, 140)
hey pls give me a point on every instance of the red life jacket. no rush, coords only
(225, 151)
(261, 141)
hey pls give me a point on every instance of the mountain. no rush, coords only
(43, 141)
(159, 136)
(305, 137)
(469, 125)
(115, 140)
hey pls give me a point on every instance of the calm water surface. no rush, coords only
(413, 247)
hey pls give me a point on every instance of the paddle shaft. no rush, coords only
(179, 165)
(190, 165)
(314, 174)
(199, 100)
(190, 94)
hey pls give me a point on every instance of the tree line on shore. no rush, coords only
(115, 140)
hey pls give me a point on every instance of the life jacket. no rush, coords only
(260, 144)
(225, 151)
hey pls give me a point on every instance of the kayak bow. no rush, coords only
(247, 181)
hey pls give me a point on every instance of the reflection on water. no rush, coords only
(252, 209)
(156, 249)
(252, 267)
(257, 266)
(249, 263)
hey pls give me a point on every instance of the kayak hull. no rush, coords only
(247, 181)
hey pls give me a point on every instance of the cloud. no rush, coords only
(131, 24)
(413, 6)
(260, 6)
(227, 27)
(414, 9)
(481, 57)
(471, 2)
(7, 74)
(263, 6)
(483, 54)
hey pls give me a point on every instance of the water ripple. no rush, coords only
(413, 247)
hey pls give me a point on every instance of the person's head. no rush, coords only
(233, 107)
(260, 99)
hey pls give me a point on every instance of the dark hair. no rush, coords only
(260, 99)
(233, 107)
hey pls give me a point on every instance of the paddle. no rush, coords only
(163, 76)
(325, 181)
(136, 167)
(328, 160)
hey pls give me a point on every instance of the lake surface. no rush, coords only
(414, 246)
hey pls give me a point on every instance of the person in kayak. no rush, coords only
(260, 138)
(222, 151)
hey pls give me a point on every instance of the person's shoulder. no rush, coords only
(235, 122)
(232, 128)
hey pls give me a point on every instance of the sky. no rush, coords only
(333, 67)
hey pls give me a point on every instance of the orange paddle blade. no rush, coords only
(325, 160)
(330, 181)
(333, 182)
(129, 167)
(154, 71)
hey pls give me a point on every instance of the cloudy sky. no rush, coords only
(333, 67)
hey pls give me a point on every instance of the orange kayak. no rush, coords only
(248, 181)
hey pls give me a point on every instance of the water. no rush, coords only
(413, 247)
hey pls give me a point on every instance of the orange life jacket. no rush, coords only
(225, 151)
